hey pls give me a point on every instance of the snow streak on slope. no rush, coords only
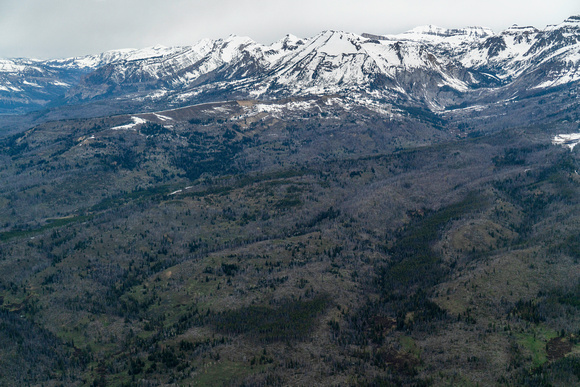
(136, 121)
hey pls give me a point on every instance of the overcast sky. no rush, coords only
(64, 28)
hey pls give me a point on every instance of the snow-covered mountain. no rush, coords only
(30, 84)
(544, 58)
(331, 62)
(427, 67)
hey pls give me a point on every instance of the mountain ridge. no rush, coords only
(428, 67)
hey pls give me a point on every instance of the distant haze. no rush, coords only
(64, 28)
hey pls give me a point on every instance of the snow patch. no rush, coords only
(567, 140)
(162, 117)
(30, 84)
(136, 121)
(276, 110)
(10, 88)
(59, 83)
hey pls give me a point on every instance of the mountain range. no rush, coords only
(427, 67)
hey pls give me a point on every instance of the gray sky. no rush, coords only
(64, 28)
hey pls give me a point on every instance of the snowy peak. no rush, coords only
(442, 38)
(469, 32)
(573, 22)
(526, 55)
(93, 62)
(16, 66)
(517, 30)
(288, 43)
(336, 43)
(232, 47)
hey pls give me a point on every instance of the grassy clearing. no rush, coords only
(535, 343)
(51, 223)
(409, 345)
